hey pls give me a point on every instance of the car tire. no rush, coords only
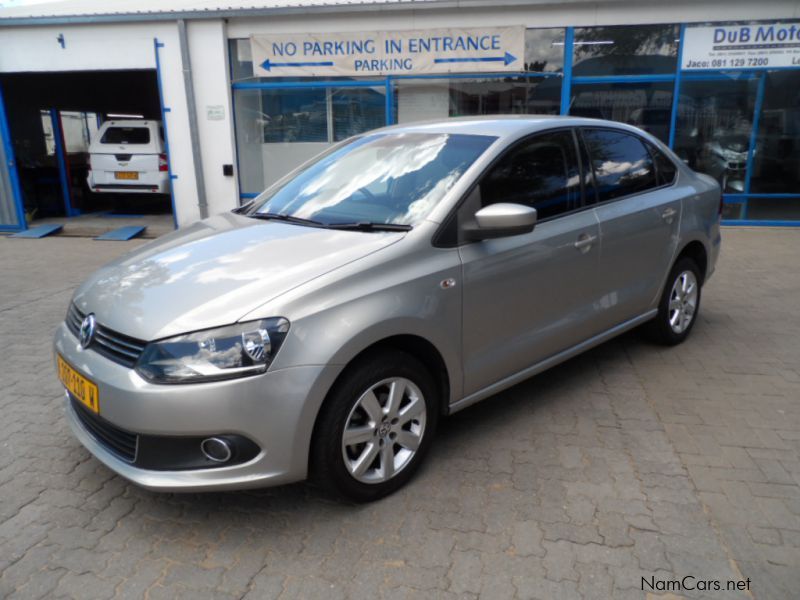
(679, 304)
(367, 442)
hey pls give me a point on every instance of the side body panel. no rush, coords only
(701, 218)
(527, 297)
(639, 236)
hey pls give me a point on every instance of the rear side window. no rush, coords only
(126, 135)
(665, 168)
(622, 165)
(541, 172)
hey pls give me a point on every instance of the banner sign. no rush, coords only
(490, 49)
(759, 46)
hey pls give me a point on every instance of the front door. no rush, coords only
(530, 296)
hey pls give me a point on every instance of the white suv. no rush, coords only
(128, 156)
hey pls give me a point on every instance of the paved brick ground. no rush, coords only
(629, 461)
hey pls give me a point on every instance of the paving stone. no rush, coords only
(632, 460)
(559, 561)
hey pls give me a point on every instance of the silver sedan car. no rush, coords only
(324, 328)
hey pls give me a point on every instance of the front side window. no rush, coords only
(542, 172)
(126, 135)
(621, 163)
(382, 178)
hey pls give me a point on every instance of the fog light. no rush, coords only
(216, 449)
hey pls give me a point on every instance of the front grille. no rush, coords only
(122, 349)
(122, 443)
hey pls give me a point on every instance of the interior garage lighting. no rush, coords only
(121, 116)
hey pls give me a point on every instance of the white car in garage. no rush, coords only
(129, 156)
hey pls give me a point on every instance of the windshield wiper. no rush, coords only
(355, 226)
(369, 226)
(268, 216)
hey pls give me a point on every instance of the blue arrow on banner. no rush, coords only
(506, 60)
(267, 65)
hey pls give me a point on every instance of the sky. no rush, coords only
(7, 3)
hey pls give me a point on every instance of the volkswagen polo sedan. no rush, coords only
(324, 328)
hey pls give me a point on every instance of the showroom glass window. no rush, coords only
(625, 50)
(417, 100)
(423, 99)
(714, 125)
(641, 51)
(776, 163)
(277, 129)
(621, 163)
(645, 105)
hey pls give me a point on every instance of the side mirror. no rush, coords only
(503, 219)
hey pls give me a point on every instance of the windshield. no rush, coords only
(382, 178)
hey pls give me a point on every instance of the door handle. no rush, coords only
(668, 214)
(584, 242)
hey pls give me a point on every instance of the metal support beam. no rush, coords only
(676, 89)
(566, 82)
(165, 127)
(63, 163)
(191, 107)
(751, 150)
(13, 176)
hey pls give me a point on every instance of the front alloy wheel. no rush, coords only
(375, 426)
(384, 430)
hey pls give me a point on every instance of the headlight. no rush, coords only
(223, 353)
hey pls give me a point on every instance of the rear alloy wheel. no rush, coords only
(375, 427)
(683, 302)
(680, 302)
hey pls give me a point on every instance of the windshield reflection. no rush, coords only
(382, 178)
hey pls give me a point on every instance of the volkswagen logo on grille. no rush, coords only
(86, 334)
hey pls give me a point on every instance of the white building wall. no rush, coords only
(117, 47)
(558, 14)
(212, 89)
(86, 48)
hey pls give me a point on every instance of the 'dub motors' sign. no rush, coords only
(758, 46)
(389, 52)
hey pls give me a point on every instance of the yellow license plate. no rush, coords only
(80, 387)
(126, 174)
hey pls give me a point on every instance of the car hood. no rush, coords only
(214, 272)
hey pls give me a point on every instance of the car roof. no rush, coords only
(506, 126)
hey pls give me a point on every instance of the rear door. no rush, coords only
(639, 218)
(529, 296)
(126, 154)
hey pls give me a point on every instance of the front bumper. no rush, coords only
(275, 410)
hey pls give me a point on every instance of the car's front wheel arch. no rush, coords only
(394, 359)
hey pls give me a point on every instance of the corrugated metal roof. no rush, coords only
(108, 8)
